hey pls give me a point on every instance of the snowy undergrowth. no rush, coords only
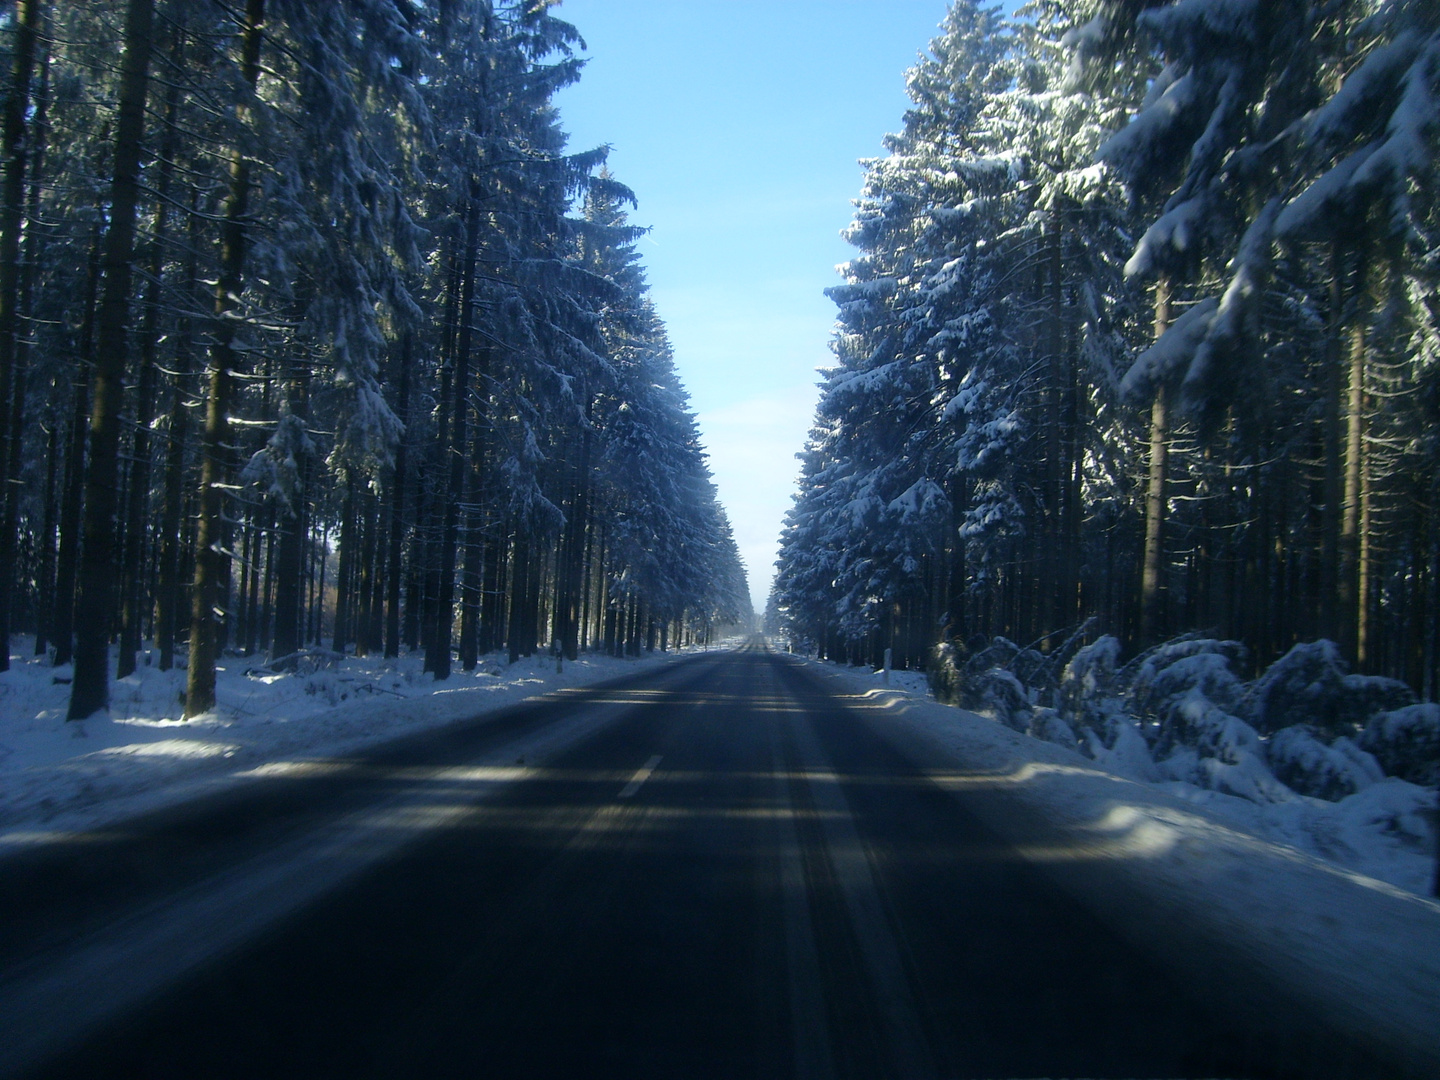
(57, 776)
(1340, 766)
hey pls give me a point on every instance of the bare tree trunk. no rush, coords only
(210, 535)
(1330, 618)
(419, 559)
(1051, 557)
(1430, 645)
(1351, 609)
(45, 607)
(1075, 604)
(267, 588)
(14, 462)
(249, 584)
(323, 557)
(136, 516)
(611, 631)
(957, 623)
(1364, 652)
(398, 479)
(168, 572)
(521, 563)
(365, 577)
(472, 571)
(439, 659)
(375, 617)
(14, 156)
(493, 604)
(345, 572)
(1151, 585)
(67, 560)
(587, 571)
(293, 520)
(570, 572)
(90, 690)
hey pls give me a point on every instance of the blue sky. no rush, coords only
(739, 125)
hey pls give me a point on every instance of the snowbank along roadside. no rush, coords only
(58, 776)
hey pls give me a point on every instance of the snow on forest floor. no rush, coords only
(59, 776)
(1377, 831)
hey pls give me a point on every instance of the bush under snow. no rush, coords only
(1305, 734)
(1406, 743)
(1341, 765)
(1311, 685)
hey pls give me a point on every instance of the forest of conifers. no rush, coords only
(1142, 339)
(313, 332)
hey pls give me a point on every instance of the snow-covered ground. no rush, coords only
(1384, 831)
(64, 776)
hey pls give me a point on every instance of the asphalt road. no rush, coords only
(714, 870)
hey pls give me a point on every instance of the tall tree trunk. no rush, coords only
(472, 572)
(611, 627)
(535, 610)
(1430, 644)
(571, 569)
(345, 572)
(419, 561)
(396, 494)
(267, 587)
(249, 581)
(14, 156)
(587, 571)
(1330, 618)
(45, 601)
(90, 690)
(518, 589)
(375, 617)
(957, 626)
(293, 518)
(365, 584)
(1074, 604)
(492, 600)
(1052, 555)
(598, 591)
(1351, 609)
(1151, 585)
(433, 522)
(11, 469)
(177, 433)
(322, 556)
(136, 515)
(455, 452)
(1364, 628)
(210, 533)
(67, 560)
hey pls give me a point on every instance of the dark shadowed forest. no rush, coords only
(313, 332)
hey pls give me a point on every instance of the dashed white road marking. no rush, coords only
(641, 775)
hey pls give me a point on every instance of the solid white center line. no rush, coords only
(641, 775)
